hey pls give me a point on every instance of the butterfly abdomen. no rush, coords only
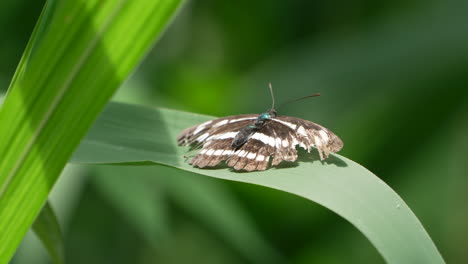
(243, 135)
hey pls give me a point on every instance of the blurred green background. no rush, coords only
(394, 82)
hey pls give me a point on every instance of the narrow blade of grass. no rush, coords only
(79, 53)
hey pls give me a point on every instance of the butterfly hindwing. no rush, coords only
(310, 134)
(213, 153)
(255, 153)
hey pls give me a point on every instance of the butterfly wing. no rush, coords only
(201, 133)
(308, 134)
(273, 139)
(215, 137)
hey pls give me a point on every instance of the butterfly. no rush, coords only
(248, 142)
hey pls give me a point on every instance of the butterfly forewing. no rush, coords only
(208, 130)
(310, 134)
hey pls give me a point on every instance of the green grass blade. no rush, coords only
(79, 53)
(126, 133)
(47, 229)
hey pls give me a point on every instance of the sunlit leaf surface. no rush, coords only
(78, 55)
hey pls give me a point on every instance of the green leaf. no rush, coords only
(142, 199)
(47, 229)
(126, 133)
(79, 53)
(210, 202)
(139, 201)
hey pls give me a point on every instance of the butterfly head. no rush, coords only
(268, 115)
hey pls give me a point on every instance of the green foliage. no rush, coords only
(79, 53)
(127, 133)
(393, 80)
(141, 195)
(47, 229)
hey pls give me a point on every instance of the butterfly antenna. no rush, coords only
(272, 96)
(313, 95)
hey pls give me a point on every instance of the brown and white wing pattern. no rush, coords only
(276, 139)
(269, 141)
(202, 132)
(253, 155)
(308, 134)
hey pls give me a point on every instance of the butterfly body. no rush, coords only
(246, 132)
(248, 142)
